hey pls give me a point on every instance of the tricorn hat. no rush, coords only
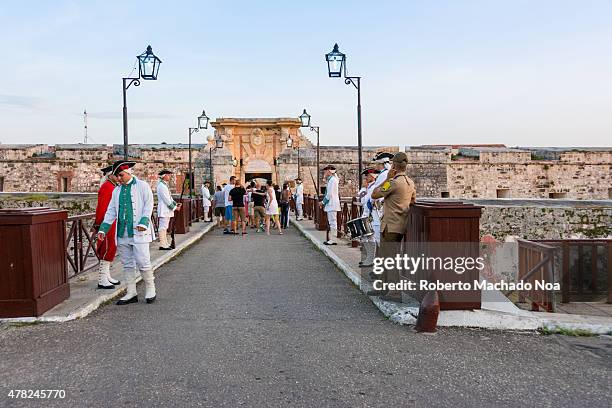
(121, 165)
(164, 171)
(298, 179)
(370, 171)
(383, 157)
(106, 170)
(329, 167)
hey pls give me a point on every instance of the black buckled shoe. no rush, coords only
(106, 287)
(121, 302)
(151, 300)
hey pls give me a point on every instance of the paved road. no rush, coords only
(268, 321)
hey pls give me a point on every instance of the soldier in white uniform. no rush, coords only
(368, 244)
(165, 208)
(132, 206)
(383, 164)
(298, 197)
(206, 200)
(331, 202)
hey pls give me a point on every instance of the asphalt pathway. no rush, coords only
(269, 321)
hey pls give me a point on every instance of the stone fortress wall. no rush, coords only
(492, 171)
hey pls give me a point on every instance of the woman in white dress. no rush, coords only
(272, 209)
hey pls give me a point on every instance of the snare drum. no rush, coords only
(360, 227)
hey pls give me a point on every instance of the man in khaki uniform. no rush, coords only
(399, 193)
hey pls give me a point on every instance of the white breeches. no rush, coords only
(299, 209)
(134, 255)
(164, 222)
(376, 226)
(332, 220)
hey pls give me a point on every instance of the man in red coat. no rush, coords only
(106, 249)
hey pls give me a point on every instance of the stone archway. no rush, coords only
(257, 165)
(257, 168)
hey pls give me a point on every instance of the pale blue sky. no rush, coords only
(514, 72)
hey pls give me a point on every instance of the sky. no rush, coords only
(522, 73)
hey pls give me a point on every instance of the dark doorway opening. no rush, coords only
(250, 176)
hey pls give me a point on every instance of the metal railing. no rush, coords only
(80, 243)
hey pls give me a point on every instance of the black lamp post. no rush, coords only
(305, 119)
(148, 67)
(202, 124)
(336, 66)
(218, 145)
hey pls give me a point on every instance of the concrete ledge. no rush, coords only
(487, 319)
(84, 300)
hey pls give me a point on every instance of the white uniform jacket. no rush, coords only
(205, 197)
(331, 194)
(142, 207)
(165, 204)
(367, 201)
(299, 194)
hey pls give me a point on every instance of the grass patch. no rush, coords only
(36, 197)
(567, 332)
(24, 324)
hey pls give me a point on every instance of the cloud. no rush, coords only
(20, 101)
(131, 115)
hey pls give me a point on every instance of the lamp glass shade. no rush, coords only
(289, 142)
(335, 62)
(148, 64)
(219, 144)
(305, 119)
(203, 121)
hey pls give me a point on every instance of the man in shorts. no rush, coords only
(251, 206)
(258, 195)
(219, 206)
(236, 195)
(228, 205)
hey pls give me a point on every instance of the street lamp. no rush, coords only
(202, 124)
(336, 63)
(235, 162)
(336, 67)
(305, 119)
(203, 120)
(218, 145)
(148, 68)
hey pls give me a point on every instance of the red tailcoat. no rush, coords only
(106, 249)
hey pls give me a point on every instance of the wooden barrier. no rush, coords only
(446, 229)
(586, 266)
(33, 276)
(182, 216)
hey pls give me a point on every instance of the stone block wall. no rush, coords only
(536, 179)
(471, 172)
(541, 222)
